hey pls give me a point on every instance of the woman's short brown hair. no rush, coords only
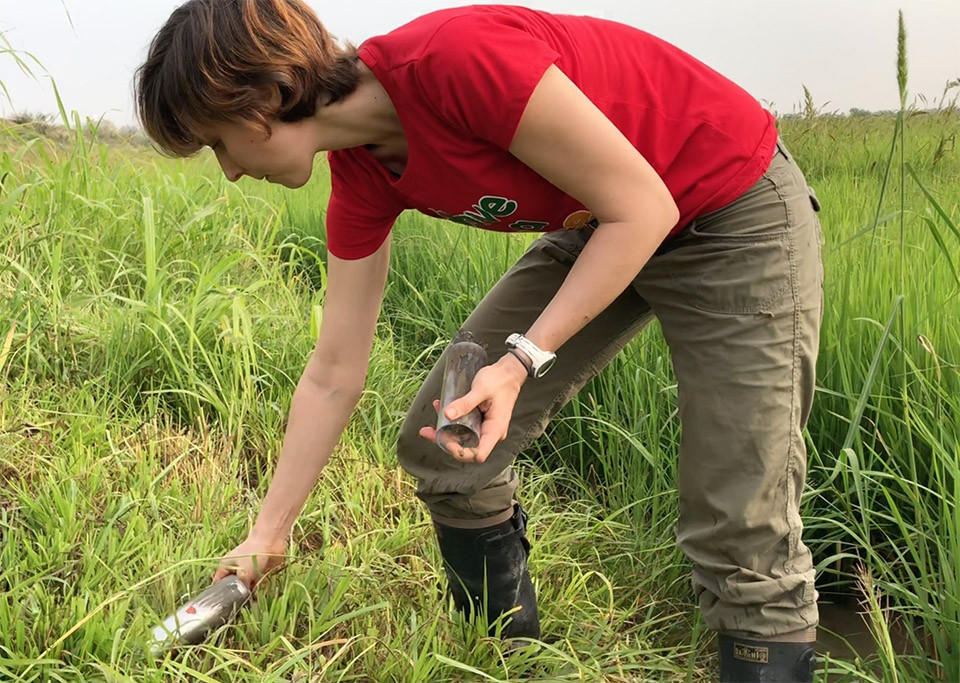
(225, 60)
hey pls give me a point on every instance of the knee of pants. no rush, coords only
(731, 528)
(436, 472)
(448, 487)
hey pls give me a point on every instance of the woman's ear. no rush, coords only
(324, 99)
(276, 98)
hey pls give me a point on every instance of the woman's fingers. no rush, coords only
(430, 434)
(464, 405)
(493, 430)
(250, 560)
(493, 427)
(228, 565)
(487, 443)
(248, 577)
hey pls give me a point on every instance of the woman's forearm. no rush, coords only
(609, 262)
(318, 415)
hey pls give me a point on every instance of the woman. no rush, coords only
(661, 189)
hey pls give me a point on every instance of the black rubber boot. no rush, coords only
(497, 554)
(743, 660)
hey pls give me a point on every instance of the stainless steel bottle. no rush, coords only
(464, 360)
(206, 612)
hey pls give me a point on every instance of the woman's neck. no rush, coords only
(364, 118)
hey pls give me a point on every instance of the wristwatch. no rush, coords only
(540, 360)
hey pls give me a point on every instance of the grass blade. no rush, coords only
(871, 377)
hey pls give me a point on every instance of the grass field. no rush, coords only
(154, 320)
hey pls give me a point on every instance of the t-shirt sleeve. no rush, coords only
(361, 210)
(480, 71)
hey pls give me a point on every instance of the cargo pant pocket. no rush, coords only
(740, 259)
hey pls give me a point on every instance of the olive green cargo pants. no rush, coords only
(738, 294)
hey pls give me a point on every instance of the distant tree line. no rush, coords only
(50, 126)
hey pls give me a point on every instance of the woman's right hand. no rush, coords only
(268, 553)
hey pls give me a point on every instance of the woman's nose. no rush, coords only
(232, 170)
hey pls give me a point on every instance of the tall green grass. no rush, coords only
(154, 320)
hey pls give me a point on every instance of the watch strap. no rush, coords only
(540, 360)
(523, 362)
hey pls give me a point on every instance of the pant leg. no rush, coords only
(482, 494)
(739, 297)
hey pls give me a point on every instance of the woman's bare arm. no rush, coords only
(567, 140)
(571, 143)
(329, 388)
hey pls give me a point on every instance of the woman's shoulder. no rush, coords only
(470, 69)
(450, 31)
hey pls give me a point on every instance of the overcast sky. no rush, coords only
(842, 50)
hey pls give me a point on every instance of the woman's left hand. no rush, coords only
(494, 390)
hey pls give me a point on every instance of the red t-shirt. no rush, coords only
(460, 80)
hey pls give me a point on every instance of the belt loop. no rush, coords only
(783, 149)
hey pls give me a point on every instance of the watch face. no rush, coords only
(546, 365)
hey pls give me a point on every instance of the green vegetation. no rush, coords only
(154, 320)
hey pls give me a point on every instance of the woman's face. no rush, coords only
(285, 157)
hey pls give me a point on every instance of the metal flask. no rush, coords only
(202, 614)
(464, 360)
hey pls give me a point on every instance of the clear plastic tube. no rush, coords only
(464, 360)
